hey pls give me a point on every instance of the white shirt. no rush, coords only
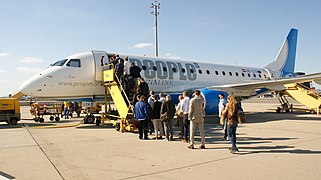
(221, 105)
(162, 100)
(126, 67)
(150, 101)
(185, 106)
(179, 106)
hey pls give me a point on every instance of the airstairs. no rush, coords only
(115, 94)
(304, 95)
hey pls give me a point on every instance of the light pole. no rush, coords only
(155, 6)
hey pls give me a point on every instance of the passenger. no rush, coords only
(158, 125)
(126, 66)
(186, 122)
(161, 97)
(231, 113)
(196, 116)
(169, 108)
(162, 100)
(112, 60)
(150, 98)
(119, 68)
(144, 87)
(221, 106)
(134, 71)
(179, 114)
(141, 115)
(137, 95)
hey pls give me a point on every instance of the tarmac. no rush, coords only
(272, 146)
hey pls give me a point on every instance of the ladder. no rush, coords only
(305, 96)
(114, 89)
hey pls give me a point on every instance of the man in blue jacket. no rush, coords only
(141, 115)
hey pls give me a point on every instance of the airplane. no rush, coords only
(80, 76)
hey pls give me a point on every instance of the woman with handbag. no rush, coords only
(230, 113)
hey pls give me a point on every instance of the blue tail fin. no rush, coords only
(285, 60)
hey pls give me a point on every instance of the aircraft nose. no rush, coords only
(30, 87)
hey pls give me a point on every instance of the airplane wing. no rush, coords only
(274, 85)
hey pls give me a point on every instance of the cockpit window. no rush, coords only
(73, 63)
(59, 63)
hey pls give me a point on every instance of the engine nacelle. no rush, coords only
(212, 100)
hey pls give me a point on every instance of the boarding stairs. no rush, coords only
(304, 95)
(115, 94)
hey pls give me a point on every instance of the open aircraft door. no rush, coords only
(100, 59)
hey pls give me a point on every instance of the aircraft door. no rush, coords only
(100, 59)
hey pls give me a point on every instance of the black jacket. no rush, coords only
(156, 110)
(168, 107)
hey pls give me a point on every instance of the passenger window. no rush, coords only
(183, 70)
(191, 70)
(174, 70)
(243, 74)
(200, 71)
(154, 68)
(259, 72)
(264, 76)
(208, 72)
(254, 75)
(248, 74)
(223, 72)
(144, 68)
(164, 69)
(260, 76)
(216, 72)
(230, 73)
(73, 63)
(236, 73)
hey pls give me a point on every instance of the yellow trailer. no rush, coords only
(10, 110)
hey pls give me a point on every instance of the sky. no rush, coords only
(36, 33)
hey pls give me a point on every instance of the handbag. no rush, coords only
(180, 114)
(240, 117)
(222, 120)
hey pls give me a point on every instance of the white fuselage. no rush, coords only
(80, 78)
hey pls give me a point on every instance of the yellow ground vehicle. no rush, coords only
(90, 108)
(9, 110)
(39, 109)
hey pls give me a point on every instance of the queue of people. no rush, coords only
(157, 114)
(190, 113)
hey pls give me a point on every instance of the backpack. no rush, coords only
(240, 115)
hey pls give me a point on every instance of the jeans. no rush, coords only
(186, 126)
(169, 129)
(181, 125)
(142, 128)
(158, 127)
(231, 131)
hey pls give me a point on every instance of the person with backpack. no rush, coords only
(230, 112)
(167, 114)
